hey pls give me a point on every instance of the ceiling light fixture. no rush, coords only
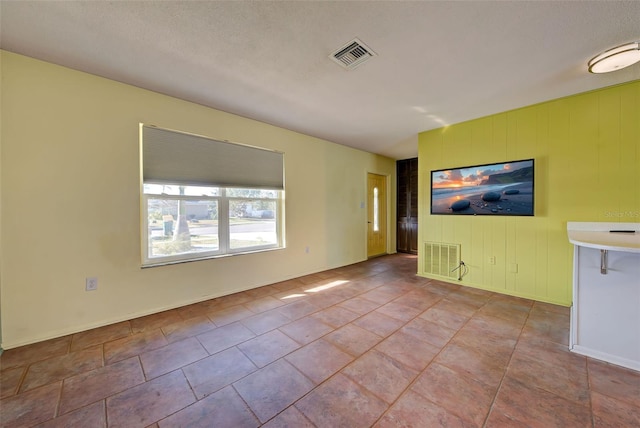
(616, 58)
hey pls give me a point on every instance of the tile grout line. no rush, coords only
(506, 369)
(70, 351)
(272, 362)
(364, 278)
(106, 414)
(179, 410)
(338, 347)
(593, 416)
(22, 378)
(385, 338)
(413, 382)
(58, 402)
(232, 386)
(476, 311)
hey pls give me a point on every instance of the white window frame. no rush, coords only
(224, 228)
(175, 158)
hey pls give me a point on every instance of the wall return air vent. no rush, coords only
(352, 54)
(442, 259)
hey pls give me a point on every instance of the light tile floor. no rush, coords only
(369, 344)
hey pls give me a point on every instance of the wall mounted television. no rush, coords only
(500, 189)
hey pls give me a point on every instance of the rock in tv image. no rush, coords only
(504, 188)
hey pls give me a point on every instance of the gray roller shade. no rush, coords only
(171, 157)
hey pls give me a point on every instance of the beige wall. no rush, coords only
(587, 168)
(70, 203)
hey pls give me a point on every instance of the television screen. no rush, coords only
(504, 188)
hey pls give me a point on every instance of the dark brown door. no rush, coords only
(407, 206)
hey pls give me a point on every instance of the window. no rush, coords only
(194, 206)
(376, 210)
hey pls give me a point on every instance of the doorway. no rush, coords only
(376, 215)
(407, 206)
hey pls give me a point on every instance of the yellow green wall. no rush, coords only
(71, 204)
(587, 168)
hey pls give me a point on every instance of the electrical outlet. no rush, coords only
(513, 268)
(492, 260)
(91, 284)
(306, 250)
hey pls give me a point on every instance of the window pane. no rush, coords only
(252, 223)
(252, 193)
(182, 226)
(174, 190)
(376, 209)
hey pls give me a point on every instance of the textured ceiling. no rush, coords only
(437, 63)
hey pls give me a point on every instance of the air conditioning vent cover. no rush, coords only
(441, 259)
(352, 54)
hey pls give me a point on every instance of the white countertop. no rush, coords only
(599, 236)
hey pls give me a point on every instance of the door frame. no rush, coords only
(366, 212)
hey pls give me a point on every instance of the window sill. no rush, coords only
(209, 257)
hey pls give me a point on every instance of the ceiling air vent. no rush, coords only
(352, 54)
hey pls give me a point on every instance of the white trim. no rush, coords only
(607, 358)
(223, 227)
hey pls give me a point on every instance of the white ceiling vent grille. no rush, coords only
(352, 54)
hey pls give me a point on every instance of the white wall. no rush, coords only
(70, 203)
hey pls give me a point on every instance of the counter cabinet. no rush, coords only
(605, 316)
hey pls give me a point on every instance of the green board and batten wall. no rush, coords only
(587, 168)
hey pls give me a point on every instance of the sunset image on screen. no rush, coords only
(493, 189)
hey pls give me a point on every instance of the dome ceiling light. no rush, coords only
(616, 58)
